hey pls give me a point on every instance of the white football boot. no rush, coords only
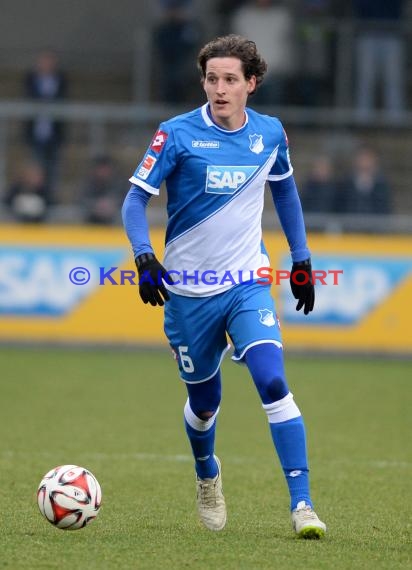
(210, 501)
(306, 523)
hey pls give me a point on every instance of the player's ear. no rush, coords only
(251, 84)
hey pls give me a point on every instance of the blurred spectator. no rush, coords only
(223, 10)
(46, 83)
(176, 39)
(320, 190)
(379, 55)
(366, 191)
(315, 39)
(27, 196)
(103, 192)
(269, 24)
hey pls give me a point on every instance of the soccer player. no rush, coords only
(215, 161)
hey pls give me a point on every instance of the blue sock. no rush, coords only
(202, 442)
(289, 438)
(265, 363)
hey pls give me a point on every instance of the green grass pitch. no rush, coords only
(119, 413)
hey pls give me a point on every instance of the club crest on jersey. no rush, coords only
(256, 143)
(158, 141)
(227, 179)
(266, 317)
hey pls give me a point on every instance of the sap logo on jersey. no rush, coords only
(227, 179)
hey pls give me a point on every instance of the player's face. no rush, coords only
(227, 91)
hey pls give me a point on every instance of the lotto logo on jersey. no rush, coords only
(146, 167)
(158, 141)
(227, 179)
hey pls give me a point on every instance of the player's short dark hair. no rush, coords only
(234, 46)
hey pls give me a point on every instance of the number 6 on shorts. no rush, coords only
(186, 361)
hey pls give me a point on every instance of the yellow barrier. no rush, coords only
(368, 310)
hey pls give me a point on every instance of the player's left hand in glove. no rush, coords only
(302, 286)
(151, 276)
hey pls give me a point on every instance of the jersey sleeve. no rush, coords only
(282, 167)
(135, 221)
(158, 162)
(287, 203)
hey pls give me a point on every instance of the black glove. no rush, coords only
(151, 276)
(302, 285)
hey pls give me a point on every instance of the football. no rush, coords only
(69, 497)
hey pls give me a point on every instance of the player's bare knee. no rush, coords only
(199, 420)
(205, 415)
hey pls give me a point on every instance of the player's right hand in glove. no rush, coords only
(302, 286)
(151, 276)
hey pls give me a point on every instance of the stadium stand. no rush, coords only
(114, 105)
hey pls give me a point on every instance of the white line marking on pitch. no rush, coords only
(183, 458)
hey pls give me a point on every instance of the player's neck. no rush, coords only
(231, 124)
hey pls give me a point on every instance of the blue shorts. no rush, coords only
(197, 327)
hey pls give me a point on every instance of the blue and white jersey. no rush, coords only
(215, 182)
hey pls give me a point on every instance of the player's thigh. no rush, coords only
(252, 318)
(195, 328)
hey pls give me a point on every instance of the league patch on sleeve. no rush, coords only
(286, 137)
(147, 166)
(159, 141)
